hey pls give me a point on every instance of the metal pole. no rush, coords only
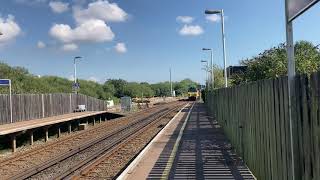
(207, 74)
(75, 70)
(170, 83)
(75, 75)
(212, 73)
(224, 49)
(10, 97)
(291, 82)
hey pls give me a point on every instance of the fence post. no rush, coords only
(70, 99)
(42, 104)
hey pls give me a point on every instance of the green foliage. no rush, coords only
(218, 76)
(272, 63)
(183, 86)
(24, 82)
(161, 89)
(119, 85)
(134, 89)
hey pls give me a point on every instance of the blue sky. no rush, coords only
(141, 39)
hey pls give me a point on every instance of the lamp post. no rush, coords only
(171, 92)
(206, 70)
(75, 72)
(221, 12)
(211, 65)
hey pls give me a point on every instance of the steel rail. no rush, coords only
(68, 138)
(83, 168)
(41, 167)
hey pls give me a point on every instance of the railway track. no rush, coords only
(62, 156)
(111, 164)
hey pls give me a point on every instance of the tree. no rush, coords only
(272, 63)
(109, 89)
(161, 89)
(119, 85)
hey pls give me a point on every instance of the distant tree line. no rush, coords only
(25, 82)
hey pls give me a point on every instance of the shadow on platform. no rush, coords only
(204, 152)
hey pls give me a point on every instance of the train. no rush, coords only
(193, 94)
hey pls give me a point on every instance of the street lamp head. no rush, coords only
(77, 57)
(212, 11)
(203, 61)
(206, 49)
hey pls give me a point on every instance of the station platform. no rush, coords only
(15, 129)
(36, 123)
(191, 146)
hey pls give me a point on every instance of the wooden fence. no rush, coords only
(35, 106)
(255, 118)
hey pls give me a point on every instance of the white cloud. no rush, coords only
(71, 77)
(94, 79)
(59, 7)
(70, 47)
(9, 29)
(41, 45)
(89, 31)
(191, 30)
(185, 19)
(213, 18)
(103, 10)
(120, 48)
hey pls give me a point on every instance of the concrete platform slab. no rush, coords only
(200, 151)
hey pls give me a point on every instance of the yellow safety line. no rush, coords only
(172, 156)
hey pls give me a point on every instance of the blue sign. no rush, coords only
(4, 82)
(75, 85)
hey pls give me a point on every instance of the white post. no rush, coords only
(10, 97)
(224, 49)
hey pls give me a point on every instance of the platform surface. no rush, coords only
(203, 152)
(36, 123)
